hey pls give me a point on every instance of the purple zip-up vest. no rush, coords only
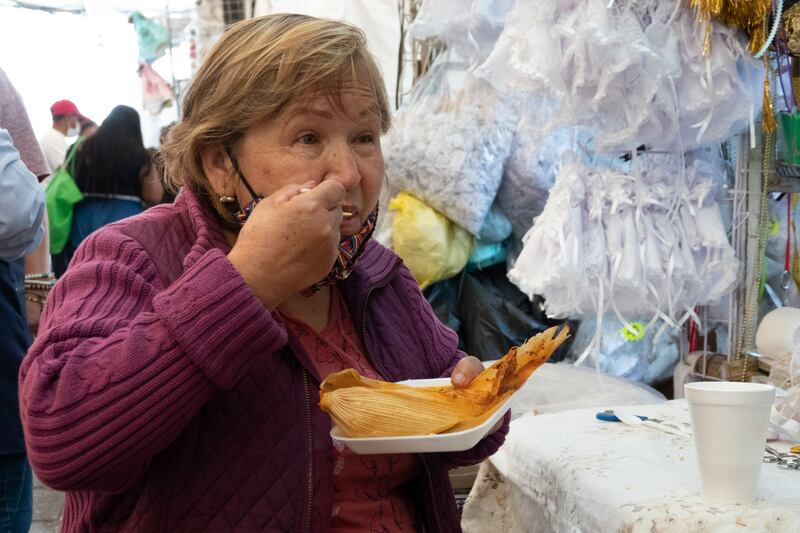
(163, 397)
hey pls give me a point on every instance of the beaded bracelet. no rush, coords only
(40, 282)
(45, 276)
(44, 285)
(35, 298)
(41, 275)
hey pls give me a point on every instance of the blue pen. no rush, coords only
(609, 416)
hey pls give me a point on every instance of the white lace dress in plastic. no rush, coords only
(633, 70)
(647, 245)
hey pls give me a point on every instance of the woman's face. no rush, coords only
(316, 139)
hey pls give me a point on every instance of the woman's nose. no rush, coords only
(343, 167)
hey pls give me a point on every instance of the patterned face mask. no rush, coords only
(349, 251)
(350, 248)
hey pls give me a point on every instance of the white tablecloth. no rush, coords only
(570, 472)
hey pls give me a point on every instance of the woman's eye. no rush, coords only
(308, 138)
(366, 138)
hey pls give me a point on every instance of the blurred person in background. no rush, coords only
(88, 128)
(21, 231)
(114, 173)
(158, 161)
(23, 223)
(14, 118)
(66, 123)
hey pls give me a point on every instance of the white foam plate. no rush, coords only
(446, 442)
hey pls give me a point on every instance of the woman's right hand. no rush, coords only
(290, 241)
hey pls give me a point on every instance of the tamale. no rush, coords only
(364, 407)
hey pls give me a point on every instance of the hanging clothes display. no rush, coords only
(635, 70)
(648, 243)
(595, 128)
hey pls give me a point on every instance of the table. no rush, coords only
(570, 472)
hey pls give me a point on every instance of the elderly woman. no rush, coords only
(174, 383)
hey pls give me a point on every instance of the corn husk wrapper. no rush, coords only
(364, 407)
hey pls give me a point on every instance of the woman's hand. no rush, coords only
(465, 371)
(290, 240)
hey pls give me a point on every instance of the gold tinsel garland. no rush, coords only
(748, 15)
(751, 16)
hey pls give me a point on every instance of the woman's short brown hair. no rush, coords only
(254, 71)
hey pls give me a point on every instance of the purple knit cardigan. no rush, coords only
(163, 397)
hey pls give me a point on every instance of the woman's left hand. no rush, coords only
(465, 371)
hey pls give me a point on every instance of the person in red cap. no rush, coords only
(66, 123)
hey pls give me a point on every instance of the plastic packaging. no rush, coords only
(635, 70)
(495, 315)
(649, 242)
(433, 247)
(635, 357)
(486, 254)
(471, 28)
(450, 142)
(496, 227)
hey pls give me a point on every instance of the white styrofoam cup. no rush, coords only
(729, 422)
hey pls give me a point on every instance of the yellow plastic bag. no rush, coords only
(433, 247)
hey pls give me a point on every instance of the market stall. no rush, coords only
(624, 167)
(627, 169)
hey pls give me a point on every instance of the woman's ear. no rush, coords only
(218, 168)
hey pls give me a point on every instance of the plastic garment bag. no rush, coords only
(634, 69)
(470, 27)
(531, 169)
(653, 245)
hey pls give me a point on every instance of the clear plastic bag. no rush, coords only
(650, 242)
(469, 27)
(637, 71)
(450, 142)
(496, 228)
(785, 419)
(530, 172)
(646, 359)
(562, 387)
